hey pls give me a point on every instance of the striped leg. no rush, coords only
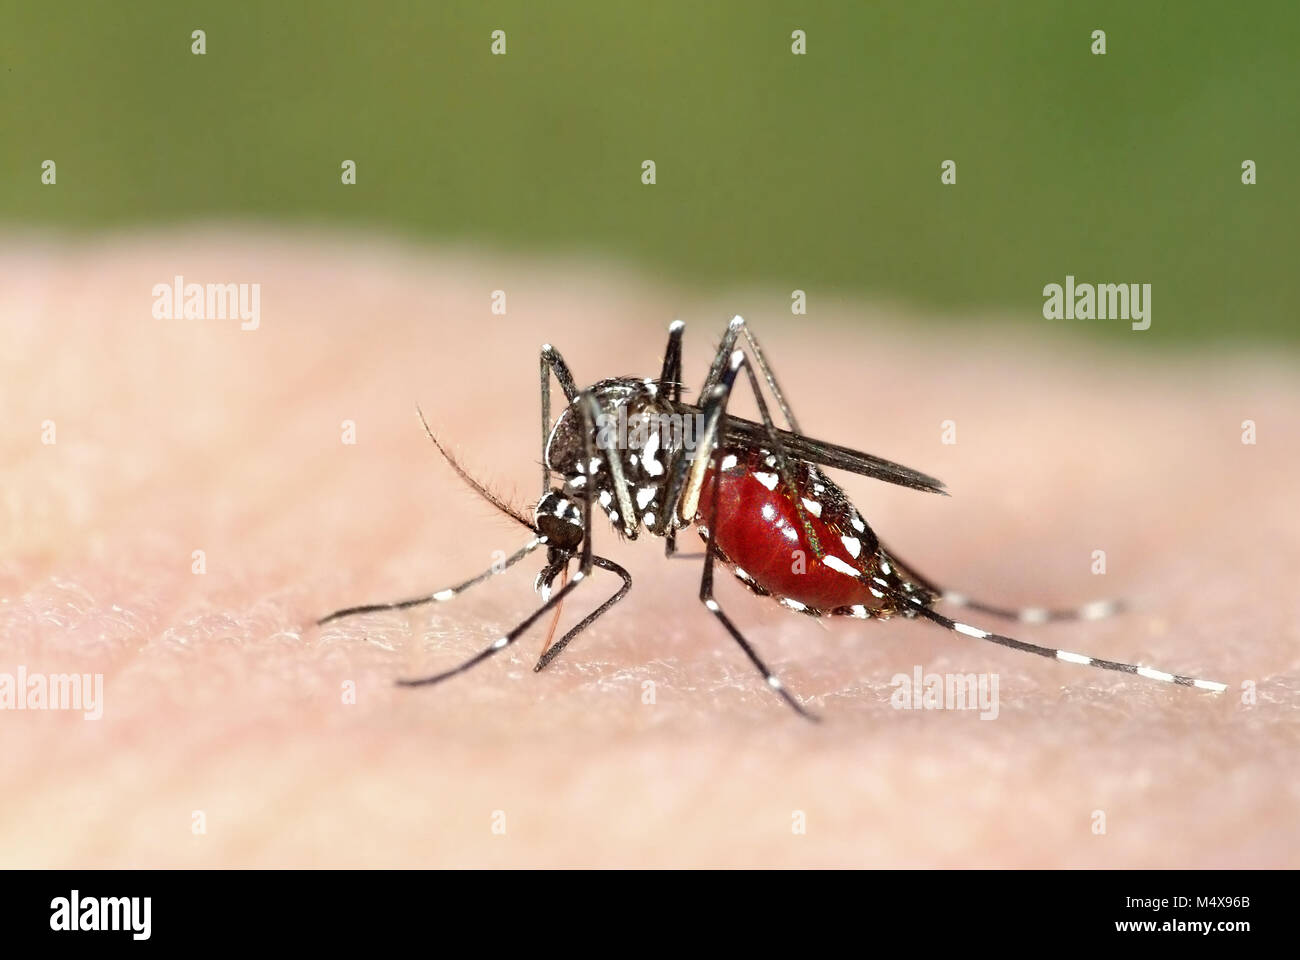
(1063, 655)
(1097, 610)
(440, 596)
(716, 404)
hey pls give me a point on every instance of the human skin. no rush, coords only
(221, 697)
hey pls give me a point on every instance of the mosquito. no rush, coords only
(755, 492)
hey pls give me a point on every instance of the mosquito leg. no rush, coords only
(965, 629)
(719, 363)
(678, 467)
(706, 597)
(670, 378)
(555, 600)
(1097, 610)
(442, 595)
(713, 387)
(554, 650)
(769, 376)
(552, 362)
(715, 407)
(734, 328)
(502, 642)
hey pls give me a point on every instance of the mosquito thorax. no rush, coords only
(559, 519)
(638, 424)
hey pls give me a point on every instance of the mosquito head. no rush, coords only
(559, 519)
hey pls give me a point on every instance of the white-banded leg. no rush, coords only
(737, 326)
(1097, 610)
(1065, 656)
(670, 375)
(715, 406)
(711, 604)
(440, 596)
(550, 362)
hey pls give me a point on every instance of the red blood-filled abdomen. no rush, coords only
(760, 533)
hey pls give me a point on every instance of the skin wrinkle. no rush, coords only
(183, 435)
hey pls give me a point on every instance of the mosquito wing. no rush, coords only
(740, 431)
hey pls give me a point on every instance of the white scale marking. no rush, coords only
(853, 545)
(839, 566)
(650, 455)
(1155, 674)
(442, 596)
(1069, 657)
(766, 479)
(970, 631)
(1095, 611)
(813, 507)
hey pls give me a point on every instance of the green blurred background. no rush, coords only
(819, 172)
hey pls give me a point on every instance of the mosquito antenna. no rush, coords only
(478, 488)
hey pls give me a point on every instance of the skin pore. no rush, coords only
(290, 745)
